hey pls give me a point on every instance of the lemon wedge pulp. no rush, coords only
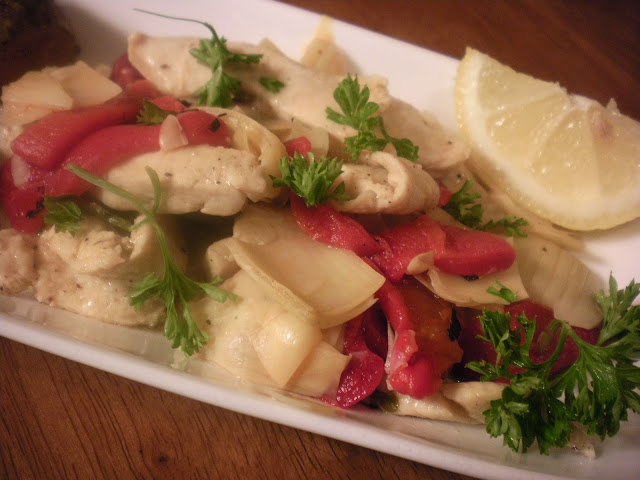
(564, 157)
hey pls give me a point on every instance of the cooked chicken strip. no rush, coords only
(211, 180)
(383, 183)
(92, 272)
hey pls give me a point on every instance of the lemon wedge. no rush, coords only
(564, 157)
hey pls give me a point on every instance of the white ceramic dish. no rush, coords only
(419, 76)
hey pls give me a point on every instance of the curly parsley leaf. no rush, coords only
(64, 213)
(499, 290)
(464, 207)
(174, 288)
(358, 113)
(221, 89)
(511, 225)
(151, 114)
(596, 391)
(272, 84)
(311, 179)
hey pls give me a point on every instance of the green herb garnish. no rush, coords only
(464, 207)
(151, 114)
(499, 290)
(175, 289)
(221, 89)
(272, 84)
(64, 213)
(358, 112)
(310, 179)
(596, 391)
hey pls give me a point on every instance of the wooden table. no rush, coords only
(60, 419)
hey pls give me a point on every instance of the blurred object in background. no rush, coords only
(33, 35)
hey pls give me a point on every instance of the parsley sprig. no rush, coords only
(222, 88)
(311, 179)
(359, 113)
(174, 288)
(151, 114)
(272, 84)
(464, 207)
(596, 391)
(66, 212)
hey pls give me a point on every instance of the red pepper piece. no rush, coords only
(473, 347)
(22, 205)
(45, 143)
(141, 90)
(325, 224)
(471, 252)
(301, 145)
(201, 127)
(423, 351)
(169, 103)
(365, 370)
(374, 331)
(456, 251)
(123, 73)
(101, 151)
(404, 242)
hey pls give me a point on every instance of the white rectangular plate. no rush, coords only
(419, 76)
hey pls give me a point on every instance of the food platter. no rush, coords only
(419, 76)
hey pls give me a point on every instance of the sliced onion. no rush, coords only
(556, 278)
(255, 340)
(320, 372)
(336, 284)
(283, 342)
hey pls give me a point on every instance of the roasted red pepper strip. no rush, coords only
(169, 103)
(365, 370)
(123, 73)
(456, 251)
(325, 224)
(301, 145)
(422, 352)
(101, 151)
(404, 242)
(45, 143)
(21, 205)
(201, 128)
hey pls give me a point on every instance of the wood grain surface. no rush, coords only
(62, 420)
